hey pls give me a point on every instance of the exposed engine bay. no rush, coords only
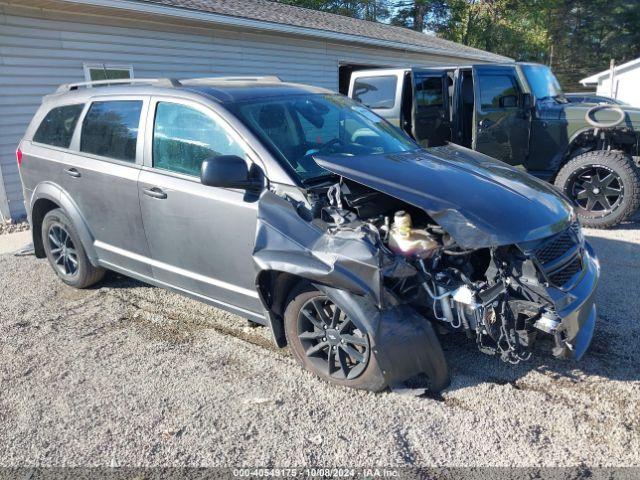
(407, 246)
(496, 296)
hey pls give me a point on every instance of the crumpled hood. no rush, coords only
(479, 201)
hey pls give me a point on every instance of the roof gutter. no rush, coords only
(227, 20)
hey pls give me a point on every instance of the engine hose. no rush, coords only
(462, 318)
(455, 253)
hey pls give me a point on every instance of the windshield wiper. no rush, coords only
(560, 98)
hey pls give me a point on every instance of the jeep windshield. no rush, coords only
(295, 128)
(543, 83)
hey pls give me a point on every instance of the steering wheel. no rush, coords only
(330, 143)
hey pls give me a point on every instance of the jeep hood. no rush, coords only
(575, 113)
(479, 201)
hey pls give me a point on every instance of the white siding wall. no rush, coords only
(41, 49)
(625, 88)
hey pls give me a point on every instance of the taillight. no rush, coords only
(19, 157)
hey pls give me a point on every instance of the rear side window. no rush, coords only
(429, 92)
(376, 92)
(57, 127)
(183, 138)
(110, 129)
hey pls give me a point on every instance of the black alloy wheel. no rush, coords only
(332, 343)
(603, 185)
(596, 189)
(63, 250)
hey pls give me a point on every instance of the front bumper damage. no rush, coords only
(576, 310)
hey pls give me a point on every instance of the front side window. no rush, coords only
(296, 128)
(376, 92)
(57, 127)
(110, 129)
(497, 91)
(184, 137)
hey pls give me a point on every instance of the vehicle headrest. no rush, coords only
(272, 116)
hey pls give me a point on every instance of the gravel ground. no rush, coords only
(131, 375)
(11, 227)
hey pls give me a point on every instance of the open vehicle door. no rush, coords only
(501, 116)
(430, 118)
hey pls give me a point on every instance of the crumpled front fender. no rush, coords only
(403, 341)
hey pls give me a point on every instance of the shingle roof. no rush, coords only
(273, 12)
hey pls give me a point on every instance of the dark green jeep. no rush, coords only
(517, 113)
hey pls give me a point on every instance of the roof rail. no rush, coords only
(164, 82)
(265, 78)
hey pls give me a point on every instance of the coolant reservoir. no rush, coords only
(408, 241)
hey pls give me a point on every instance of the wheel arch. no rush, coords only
(48, 196)
(274, 288)
(578, 145)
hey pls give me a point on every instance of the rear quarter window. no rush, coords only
(376, 92)
(58, 126)
(110, 129)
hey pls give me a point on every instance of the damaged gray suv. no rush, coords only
(301, 210)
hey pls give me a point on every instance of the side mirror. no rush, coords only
(226, 171)
(508, 101)
(527, 102)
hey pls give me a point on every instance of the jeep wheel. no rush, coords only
(603, 185)
(65, 252)
(326, 342)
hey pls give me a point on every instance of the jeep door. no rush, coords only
(501, 123)
(430, 120)
(100, 174)
(380, 91)
(201, 238)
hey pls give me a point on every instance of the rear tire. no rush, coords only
(349, 363)
(65, 252)
(586, 180)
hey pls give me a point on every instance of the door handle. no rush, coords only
(155, 192)
(72, 172)
(485, 123)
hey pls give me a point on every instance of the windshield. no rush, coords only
(542, 81)
(297, 127)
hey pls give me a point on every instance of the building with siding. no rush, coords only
(44, 43)
(620, 83)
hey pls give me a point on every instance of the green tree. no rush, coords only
(372, 10)
(576, 37)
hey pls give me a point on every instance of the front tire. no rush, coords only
(65, 252)
(326, 342)
(604, 187)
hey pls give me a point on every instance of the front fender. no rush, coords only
(287, 242)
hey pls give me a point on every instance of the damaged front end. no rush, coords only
(390, 262)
